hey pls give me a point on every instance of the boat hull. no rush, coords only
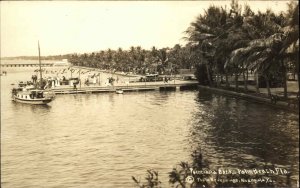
(33, 101)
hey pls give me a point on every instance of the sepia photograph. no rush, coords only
(149, 94)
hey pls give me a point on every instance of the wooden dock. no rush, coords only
(136, 87)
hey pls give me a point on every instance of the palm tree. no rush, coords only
(201, 34)
(234, 37)
(209, 33)
(154, 58)
(291, 43)
(262, 54)
(140, 58)
(74, 59)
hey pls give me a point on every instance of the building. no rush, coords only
(63, 63)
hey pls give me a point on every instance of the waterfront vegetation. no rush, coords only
(224, 44)
(235, 43)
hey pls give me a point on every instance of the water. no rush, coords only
(101, 140)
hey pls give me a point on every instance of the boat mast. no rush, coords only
(41, 78)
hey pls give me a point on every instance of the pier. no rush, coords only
(26, 65)
(137, 87)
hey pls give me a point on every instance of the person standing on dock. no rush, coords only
(34, 79)
(74, 84)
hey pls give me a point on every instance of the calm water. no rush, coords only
(101, 140)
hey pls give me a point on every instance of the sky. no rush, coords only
(64, 27)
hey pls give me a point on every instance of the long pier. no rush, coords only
(26, 65)
(140, 86)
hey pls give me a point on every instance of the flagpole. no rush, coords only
(41, 79)
(79, 77)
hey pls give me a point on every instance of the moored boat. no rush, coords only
(32, 96)
(119, 91)
(29, 93)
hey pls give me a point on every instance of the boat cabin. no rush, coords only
(150, 78)
(31, 94)
(35, 94)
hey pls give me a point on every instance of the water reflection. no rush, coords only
(236, 133)
(160, 98)
(111, 98)
(33, 108)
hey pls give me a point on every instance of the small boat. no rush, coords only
(119, 91)
(28, 93)
(32, 96)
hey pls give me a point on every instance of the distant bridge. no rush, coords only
(26, 65)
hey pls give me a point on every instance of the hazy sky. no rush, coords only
(68, 27)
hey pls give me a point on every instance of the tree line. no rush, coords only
(222, 43)
(232, 42)
(137, 60)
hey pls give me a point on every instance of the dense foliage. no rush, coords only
(235, 43)
(224, 43)
(137, 60)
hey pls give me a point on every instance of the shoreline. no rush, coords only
(290, 105)
(263, 100)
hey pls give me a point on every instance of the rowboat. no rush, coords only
(119, 91)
